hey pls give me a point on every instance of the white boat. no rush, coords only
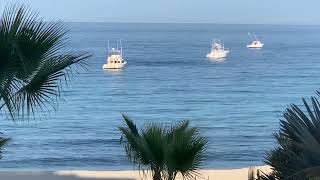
(217, 50)
(256, 43)
(115, 59)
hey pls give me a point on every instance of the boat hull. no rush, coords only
(218, 55)
(114, 66)
(255, 46)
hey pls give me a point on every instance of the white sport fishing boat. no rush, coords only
(115, 59)
(217, 50)
(256, 43)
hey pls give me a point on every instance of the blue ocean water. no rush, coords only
(237, 103)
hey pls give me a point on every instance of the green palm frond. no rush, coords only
(146, 149)
(154, 137)
(266, 176)
(298, 154)
(131, 125)
(33, 61)
(186, 151)
(164, 151)
(3, 143)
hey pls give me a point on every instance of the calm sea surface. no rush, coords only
(236, 103)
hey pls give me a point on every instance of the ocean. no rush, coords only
(236, 103)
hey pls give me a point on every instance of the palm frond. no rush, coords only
(164, 151)
(265, 176)
(131, 125)
(298, 154)
(251, 173)
(3, 143)
(33, 61)
(186, 151)
(143, 150)
(154, 138)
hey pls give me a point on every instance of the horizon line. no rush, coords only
(216, 23)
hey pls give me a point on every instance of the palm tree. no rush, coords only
(298, 153)
(3, 142)
(165, 152)
(186, 151)
(33, 62)
(254, 174)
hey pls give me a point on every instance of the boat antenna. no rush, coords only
(121, 47)
(255, 37)
(212, 44)
(117, 45)
(251, 36)
(108, 46)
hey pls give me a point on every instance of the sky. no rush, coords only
(179, 11)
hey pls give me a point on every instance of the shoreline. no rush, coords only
(216, 174)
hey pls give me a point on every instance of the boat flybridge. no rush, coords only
(217, 50)
(115, 58)
(256, 43)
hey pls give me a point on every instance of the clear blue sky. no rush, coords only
(180, 11)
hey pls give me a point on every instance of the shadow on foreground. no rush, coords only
(47, 176)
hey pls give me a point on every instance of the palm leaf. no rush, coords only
(298, 154)
(143, 150)
(186, 151)
(33, 61)
(131, 125)
(164, 151)
(251, 173)
(3, 143)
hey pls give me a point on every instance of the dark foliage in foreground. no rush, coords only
(165, 151)
(3, 142)
(254, 174)
(33, 62)
(298, 153)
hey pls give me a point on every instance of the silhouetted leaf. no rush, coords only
(33, 61)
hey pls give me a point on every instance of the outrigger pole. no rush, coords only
(120, 46)
(250, 36)
(255, 37)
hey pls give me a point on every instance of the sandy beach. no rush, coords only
(232, 174)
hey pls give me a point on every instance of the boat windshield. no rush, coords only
(217, 46)
(114, 51)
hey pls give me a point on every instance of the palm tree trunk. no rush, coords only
(157, 176)
(171, 175)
